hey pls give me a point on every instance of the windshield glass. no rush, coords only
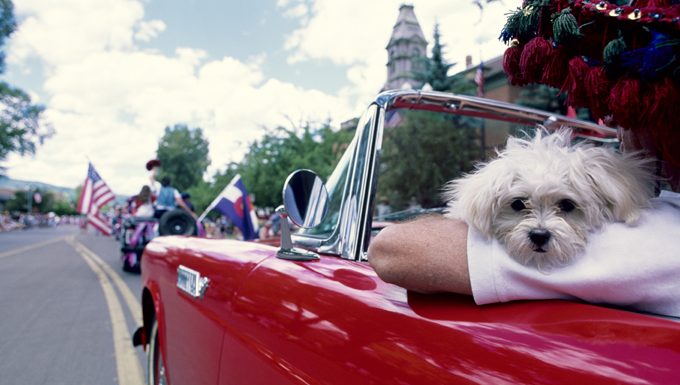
(339, 184)
(335, 186)
(423, 150)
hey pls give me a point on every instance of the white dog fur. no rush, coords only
(541, 198)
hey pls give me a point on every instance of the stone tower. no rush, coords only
(406, 45)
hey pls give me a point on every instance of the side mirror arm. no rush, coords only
(287, 251)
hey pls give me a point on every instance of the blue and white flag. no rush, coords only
(234, 203)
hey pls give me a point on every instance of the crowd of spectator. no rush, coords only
(17, 221)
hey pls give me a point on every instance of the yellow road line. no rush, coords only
(130, 299)
(128, 369)
(30, 247)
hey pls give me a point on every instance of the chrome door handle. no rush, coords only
(191, 282)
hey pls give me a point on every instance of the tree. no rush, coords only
(21, 128)
(64, 207)
(282, 151)
(542, 97)
(183, 153)
(18, 203)
(423, 153)
(436, 71)
(7, 26)
(48, 201)
(546, 98)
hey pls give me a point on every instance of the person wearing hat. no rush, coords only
(165, 196)
(152, 167)
(623, 64)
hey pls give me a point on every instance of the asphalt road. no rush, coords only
(67, 310)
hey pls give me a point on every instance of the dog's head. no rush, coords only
(542, 197)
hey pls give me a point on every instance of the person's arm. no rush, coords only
(426, 255)
(180, 203)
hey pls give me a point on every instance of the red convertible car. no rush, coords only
(311, 310)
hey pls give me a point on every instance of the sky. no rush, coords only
(112, 74)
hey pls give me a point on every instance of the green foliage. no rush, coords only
(7, 26)
(64, 207)
(423, 153)
(542, 97)
(436, 67)
(183, 153)
(282, 151)
(20, 129)
(18, 203)
(203, 193)
(436, 70)
(264, 169)
(49, 202)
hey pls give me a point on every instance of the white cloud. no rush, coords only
(68, 30)
(147, 30)
(110, 100)
(355, 33)
(299, 10)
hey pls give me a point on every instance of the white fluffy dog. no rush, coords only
(541, 197)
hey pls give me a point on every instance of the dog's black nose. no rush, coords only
(539, 236)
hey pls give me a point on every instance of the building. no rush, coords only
(407, 48)
(495, 85)
(405, 51)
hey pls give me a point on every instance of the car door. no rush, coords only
(195, 324)
(193, 328)
(334, 321)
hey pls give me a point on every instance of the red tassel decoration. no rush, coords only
(576, 94)
(652, 3)
(533, 59)
(596, 84)
(511, 66)
(555, 70)
(662, 117)
(625, 103)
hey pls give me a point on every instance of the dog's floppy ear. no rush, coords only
(623, 182)
(475, 198)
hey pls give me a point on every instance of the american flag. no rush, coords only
(95, 195)
(479, 79)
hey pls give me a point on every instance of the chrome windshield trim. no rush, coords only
(343, 240)
(493, 109)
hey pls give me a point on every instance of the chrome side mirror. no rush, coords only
(305, 202)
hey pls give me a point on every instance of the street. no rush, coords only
(68, 310)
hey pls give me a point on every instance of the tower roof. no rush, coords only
(407, 26)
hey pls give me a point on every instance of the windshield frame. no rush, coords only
(352, 217)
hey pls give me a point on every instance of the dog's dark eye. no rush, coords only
(566, 205)
(517, 205)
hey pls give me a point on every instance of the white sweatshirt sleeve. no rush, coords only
(637, 267)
